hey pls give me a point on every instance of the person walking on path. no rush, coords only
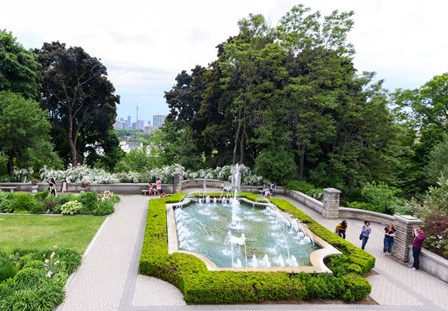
(417, 244)
(366, 230)
(341, 229)
(389, 235)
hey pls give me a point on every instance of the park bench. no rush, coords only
(11, 189)
(145, 191)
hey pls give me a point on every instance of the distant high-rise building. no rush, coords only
(129, 122)
(158, 120)
(140, 124)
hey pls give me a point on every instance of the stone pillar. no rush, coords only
(177, 187)
(403, 235)
(331, 203)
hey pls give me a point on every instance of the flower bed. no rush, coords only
(35, 280)
(87, 203)
(201, 286)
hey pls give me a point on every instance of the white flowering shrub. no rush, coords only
(225, 173)
(166, 173)
(84, 174)
(131, 177)
(22, 174)
(80, 174)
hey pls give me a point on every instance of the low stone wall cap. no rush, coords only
(332, 190)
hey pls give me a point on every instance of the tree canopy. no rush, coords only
(291, 88)
(18, 68)
(24, 133)
(81, 102)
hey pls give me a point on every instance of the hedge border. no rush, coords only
(200, 286)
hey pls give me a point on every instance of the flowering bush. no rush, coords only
(106, 196)
(39, 281)
(79, 174)
(71, 208)
(166, 173)
(22, 174)
(130, 177)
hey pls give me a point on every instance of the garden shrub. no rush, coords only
(199, 285)
(64, 198)
(7, 266)
(103, 208)
(6, 202)
(89, 201)
(377, 197)
(46, 296)
(41, 195)
(35, 264)
(37, 208)
(33, 287)
(27, 277)
(306, 188)
(356, 287)
(71, 208)
(22, 201)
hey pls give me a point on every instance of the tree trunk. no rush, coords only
(72, 141)
(301, 162)
(10, 165)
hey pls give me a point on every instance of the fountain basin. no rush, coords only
(315, 264)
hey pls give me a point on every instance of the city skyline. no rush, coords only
(139, 123)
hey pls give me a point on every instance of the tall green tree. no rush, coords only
(24, 133)
(81, 102)
(424, 112)
(294, 88)
(19, 70)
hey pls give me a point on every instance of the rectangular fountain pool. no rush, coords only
(242, 235)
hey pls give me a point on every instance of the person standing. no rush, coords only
(417, 244)
(64, 186)
(158, 186)
(366, 230)
(389, 236)
(52, 186)
(341, 229)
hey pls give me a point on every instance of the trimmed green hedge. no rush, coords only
(200, 286)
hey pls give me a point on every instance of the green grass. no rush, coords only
(41, 231)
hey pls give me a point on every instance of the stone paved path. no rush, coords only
(108, 280)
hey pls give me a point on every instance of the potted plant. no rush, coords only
(34, 185)
(85, 186)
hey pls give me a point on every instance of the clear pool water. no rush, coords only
(205, 228)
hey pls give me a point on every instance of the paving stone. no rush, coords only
(108, 276)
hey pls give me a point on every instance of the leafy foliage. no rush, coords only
(71, 208)
(39, 284)
(378, 197)
(81, 103)
(202, 286)
(288, 95)
(24, 133)
(19, 70)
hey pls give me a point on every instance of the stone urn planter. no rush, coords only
(34, 186)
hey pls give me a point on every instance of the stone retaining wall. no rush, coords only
(306, 200)
(429, 261)
(432, 264)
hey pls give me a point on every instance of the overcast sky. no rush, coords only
(145, 44)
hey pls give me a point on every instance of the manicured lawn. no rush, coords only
(41, 231)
